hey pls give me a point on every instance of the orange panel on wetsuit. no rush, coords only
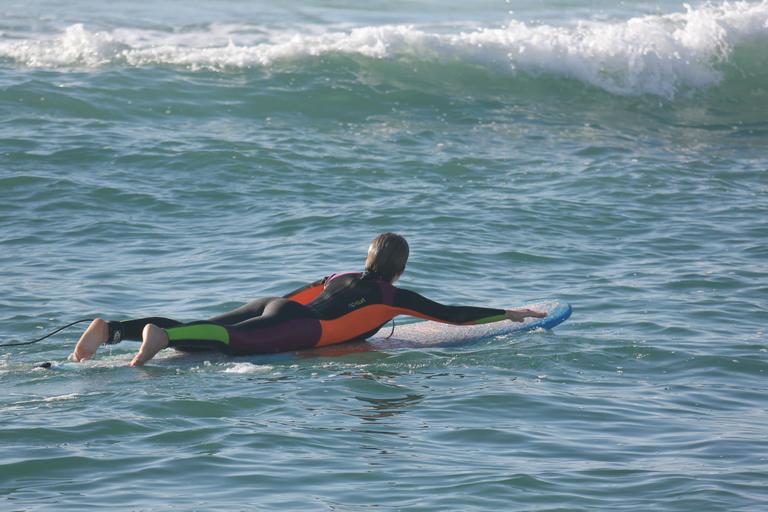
(308, 293)
(354, 306)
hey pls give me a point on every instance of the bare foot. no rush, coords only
(89, 342)
(154, 340)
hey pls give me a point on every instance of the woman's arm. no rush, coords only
(411, 303)
(520, 314)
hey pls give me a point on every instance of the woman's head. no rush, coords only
(387, 256)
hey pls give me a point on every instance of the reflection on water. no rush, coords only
(385, 407)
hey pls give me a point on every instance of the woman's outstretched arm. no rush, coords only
(414, 304)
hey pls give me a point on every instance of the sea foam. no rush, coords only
(657, 54)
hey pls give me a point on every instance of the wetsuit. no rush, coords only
(335, 309)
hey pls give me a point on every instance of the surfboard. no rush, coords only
(420, 334)
(436, 334)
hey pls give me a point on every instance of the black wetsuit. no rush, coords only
(335, 309)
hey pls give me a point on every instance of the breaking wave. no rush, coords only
(659, 55)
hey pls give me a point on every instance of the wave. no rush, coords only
(660, 55)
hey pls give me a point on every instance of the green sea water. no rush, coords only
(179, 159)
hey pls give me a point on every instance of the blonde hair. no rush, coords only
(387, 255)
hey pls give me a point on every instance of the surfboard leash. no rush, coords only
(20, 343)
(392, 331)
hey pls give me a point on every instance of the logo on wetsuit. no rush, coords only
(357, 303)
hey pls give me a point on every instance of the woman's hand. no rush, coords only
(519, 315)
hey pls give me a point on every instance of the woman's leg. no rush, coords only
(102, 331)
(284, 326)
(245, 312)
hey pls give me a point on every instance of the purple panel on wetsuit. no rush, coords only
(289, 335)
(387, 292)
(335, 276)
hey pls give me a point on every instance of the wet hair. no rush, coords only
(387, 255)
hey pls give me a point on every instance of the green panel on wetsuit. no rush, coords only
(490, 319)
(202, 332)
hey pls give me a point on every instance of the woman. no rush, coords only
(335, 309)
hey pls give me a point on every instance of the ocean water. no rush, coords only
(179, 158)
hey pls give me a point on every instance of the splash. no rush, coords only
(248, 368)
(75, 47)
(657, 55)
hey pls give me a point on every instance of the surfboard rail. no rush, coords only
(429, 333)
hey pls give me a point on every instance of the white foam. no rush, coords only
(248, 368)
(58, 398)
(75, 47)
(658, 54)
(36, 401)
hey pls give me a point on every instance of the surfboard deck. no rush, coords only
(436, 334)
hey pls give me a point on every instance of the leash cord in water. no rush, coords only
(392, 331)
(47, 335)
